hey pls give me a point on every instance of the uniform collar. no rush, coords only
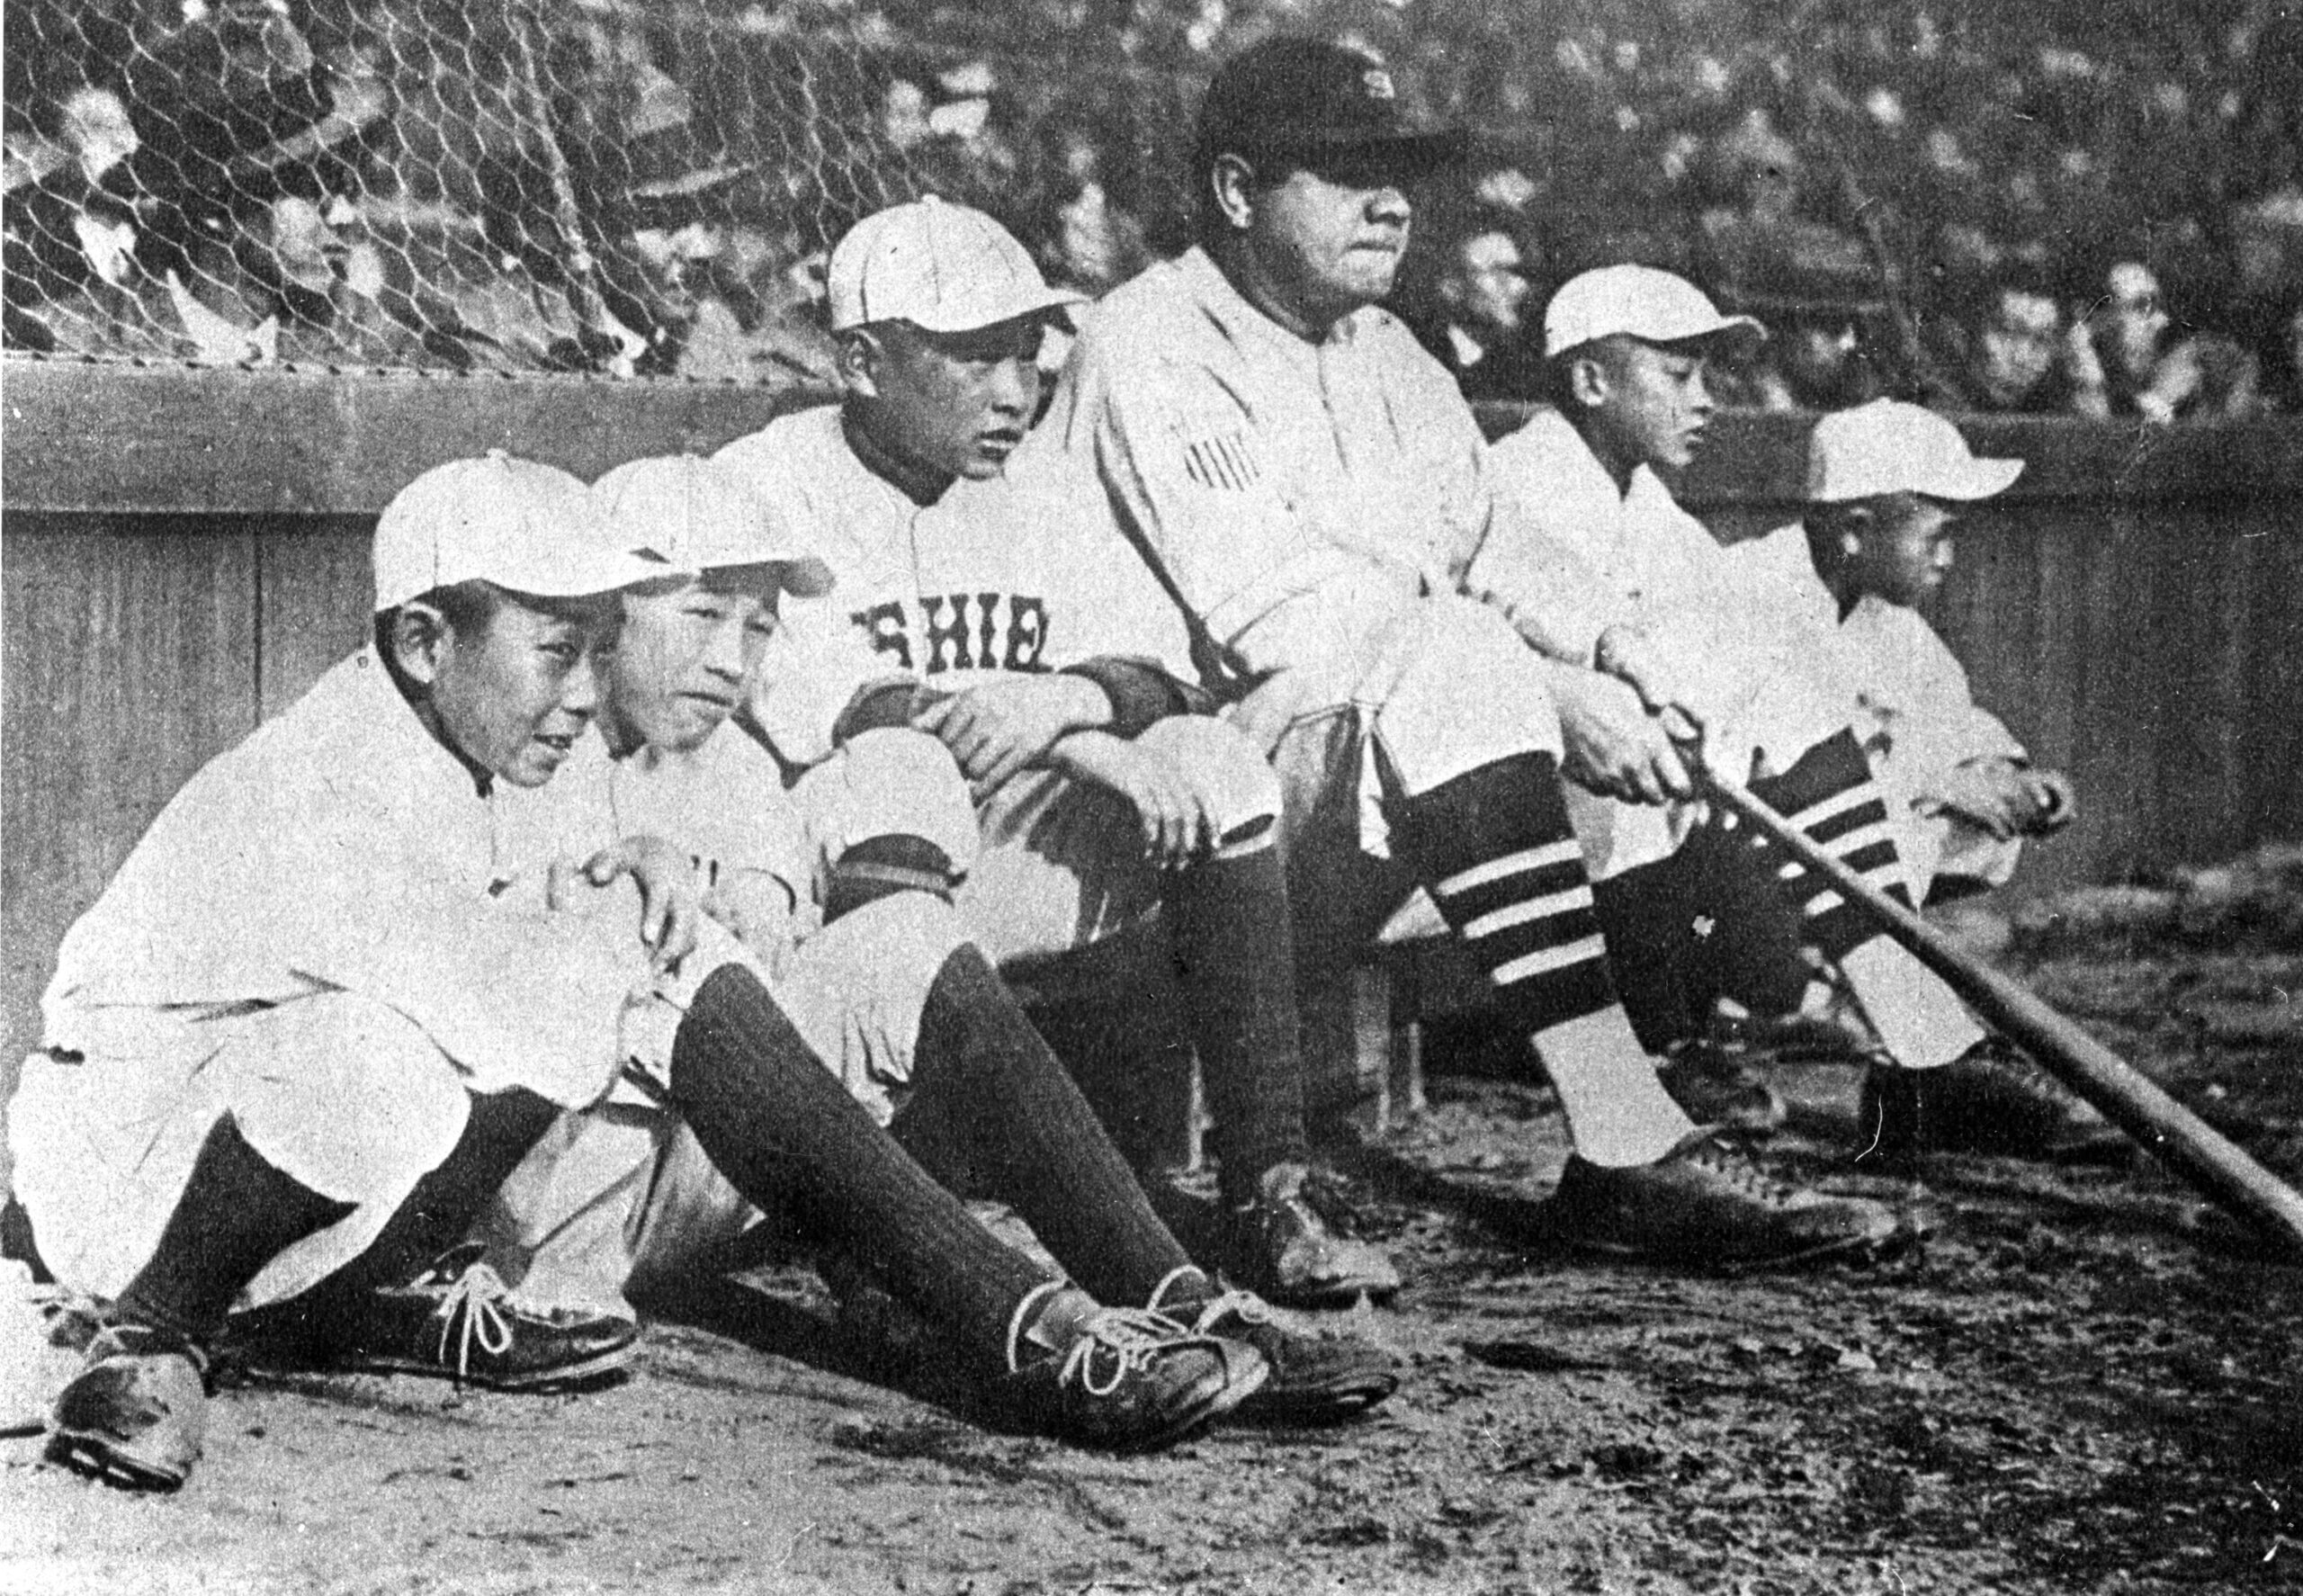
(1242, 322)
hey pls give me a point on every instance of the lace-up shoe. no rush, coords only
(136, 1412)
(459, 1320)
(1126, 1380)
(1314, 1379)
(1989, 1100)
(1701, 1203)
(1283, 1247)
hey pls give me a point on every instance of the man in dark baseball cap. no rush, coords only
(1314, 103)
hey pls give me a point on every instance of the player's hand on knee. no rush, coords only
(1178, 818)
(1615, 747)
(1991, 793)
(671, 904)
(998, 728)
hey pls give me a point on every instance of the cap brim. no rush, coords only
(580, 577)
(1410, 152)
(1045, 301)
(1978, 478)
(805, 577)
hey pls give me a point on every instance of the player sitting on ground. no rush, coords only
(323, 1010)
(1628, 345)
(842, 891)
(1885, 482)
(1309, 486)
(978, 611)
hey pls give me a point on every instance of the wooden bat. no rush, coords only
(2128, 1098)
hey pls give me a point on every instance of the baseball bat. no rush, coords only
(2130, 1099)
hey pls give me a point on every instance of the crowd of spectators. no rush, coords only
(2090, 208)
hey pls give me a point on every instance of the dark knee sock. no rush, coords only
(238, 1213)
(1496, 851)
(1830, 796)
(785, 1131)
(981, 1074)
(1234, 951)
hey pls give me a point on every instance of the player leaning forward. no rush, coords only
(985, 610)
(328, 1003)
(842, 890)
(1311, 486)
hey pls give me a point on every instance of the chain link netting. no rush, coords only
(459, 184)
(648, 186)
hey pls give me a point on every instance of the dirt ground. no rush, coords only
(2070, 1389)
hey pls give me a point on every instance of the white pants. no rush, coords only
(1062, 863)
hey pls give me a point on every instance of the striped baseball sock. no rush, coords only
(1495, 849)
(1830, 796)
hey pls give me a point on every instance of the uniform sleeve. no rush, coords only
(1529, 566)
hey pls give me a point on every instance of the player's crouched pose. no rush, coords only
(320, 1014)
(842, 892)
(986, 612)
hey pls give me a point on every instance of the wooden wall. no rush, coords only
(186, 550)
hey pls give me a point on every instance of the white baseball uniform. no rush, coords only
(1666, 574)
(1313, 507)
(994, 578)
(1914, 712)
(333, 934)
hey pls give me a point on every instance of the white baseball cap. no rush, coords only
(1639, 301)
(529, 527)
(1888, 446)
(938, 265)
(687, 515)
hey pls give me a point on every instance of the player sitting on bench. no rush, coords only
(1885, 482)
(1676, 885)
(1114, 812)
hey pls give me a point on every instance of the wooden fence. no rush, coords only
(186, 550)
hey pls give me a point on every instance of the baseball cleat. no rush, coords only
(1127, 1380)
(136, 1415)
(1314, 1379)
(1989, 1100)
(1703, 1205)
(1282, 1248)
(459, 1320)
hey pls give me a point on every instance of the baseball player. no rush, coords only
(982, 611)
(842, 891)
(1309, 486)
(331, 999)
(1627, 346)
(1883, 480)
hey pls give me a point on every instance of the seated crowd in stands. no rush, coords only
(254, 188)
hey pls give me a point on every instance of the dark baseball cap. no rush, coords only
(1306, 100)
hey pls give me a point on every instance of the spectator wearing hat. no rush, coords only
(1884, 483)
(1309, 486)
(1628, 348)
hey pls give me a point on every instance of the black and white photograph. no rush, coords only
(1150, 797)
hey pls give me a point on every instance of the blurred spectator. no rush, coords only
(1819, 356)
(1473, 314)
(2011, 351)
(2150, 370)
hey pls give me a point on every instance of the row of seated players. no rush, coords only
(1261, 637)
